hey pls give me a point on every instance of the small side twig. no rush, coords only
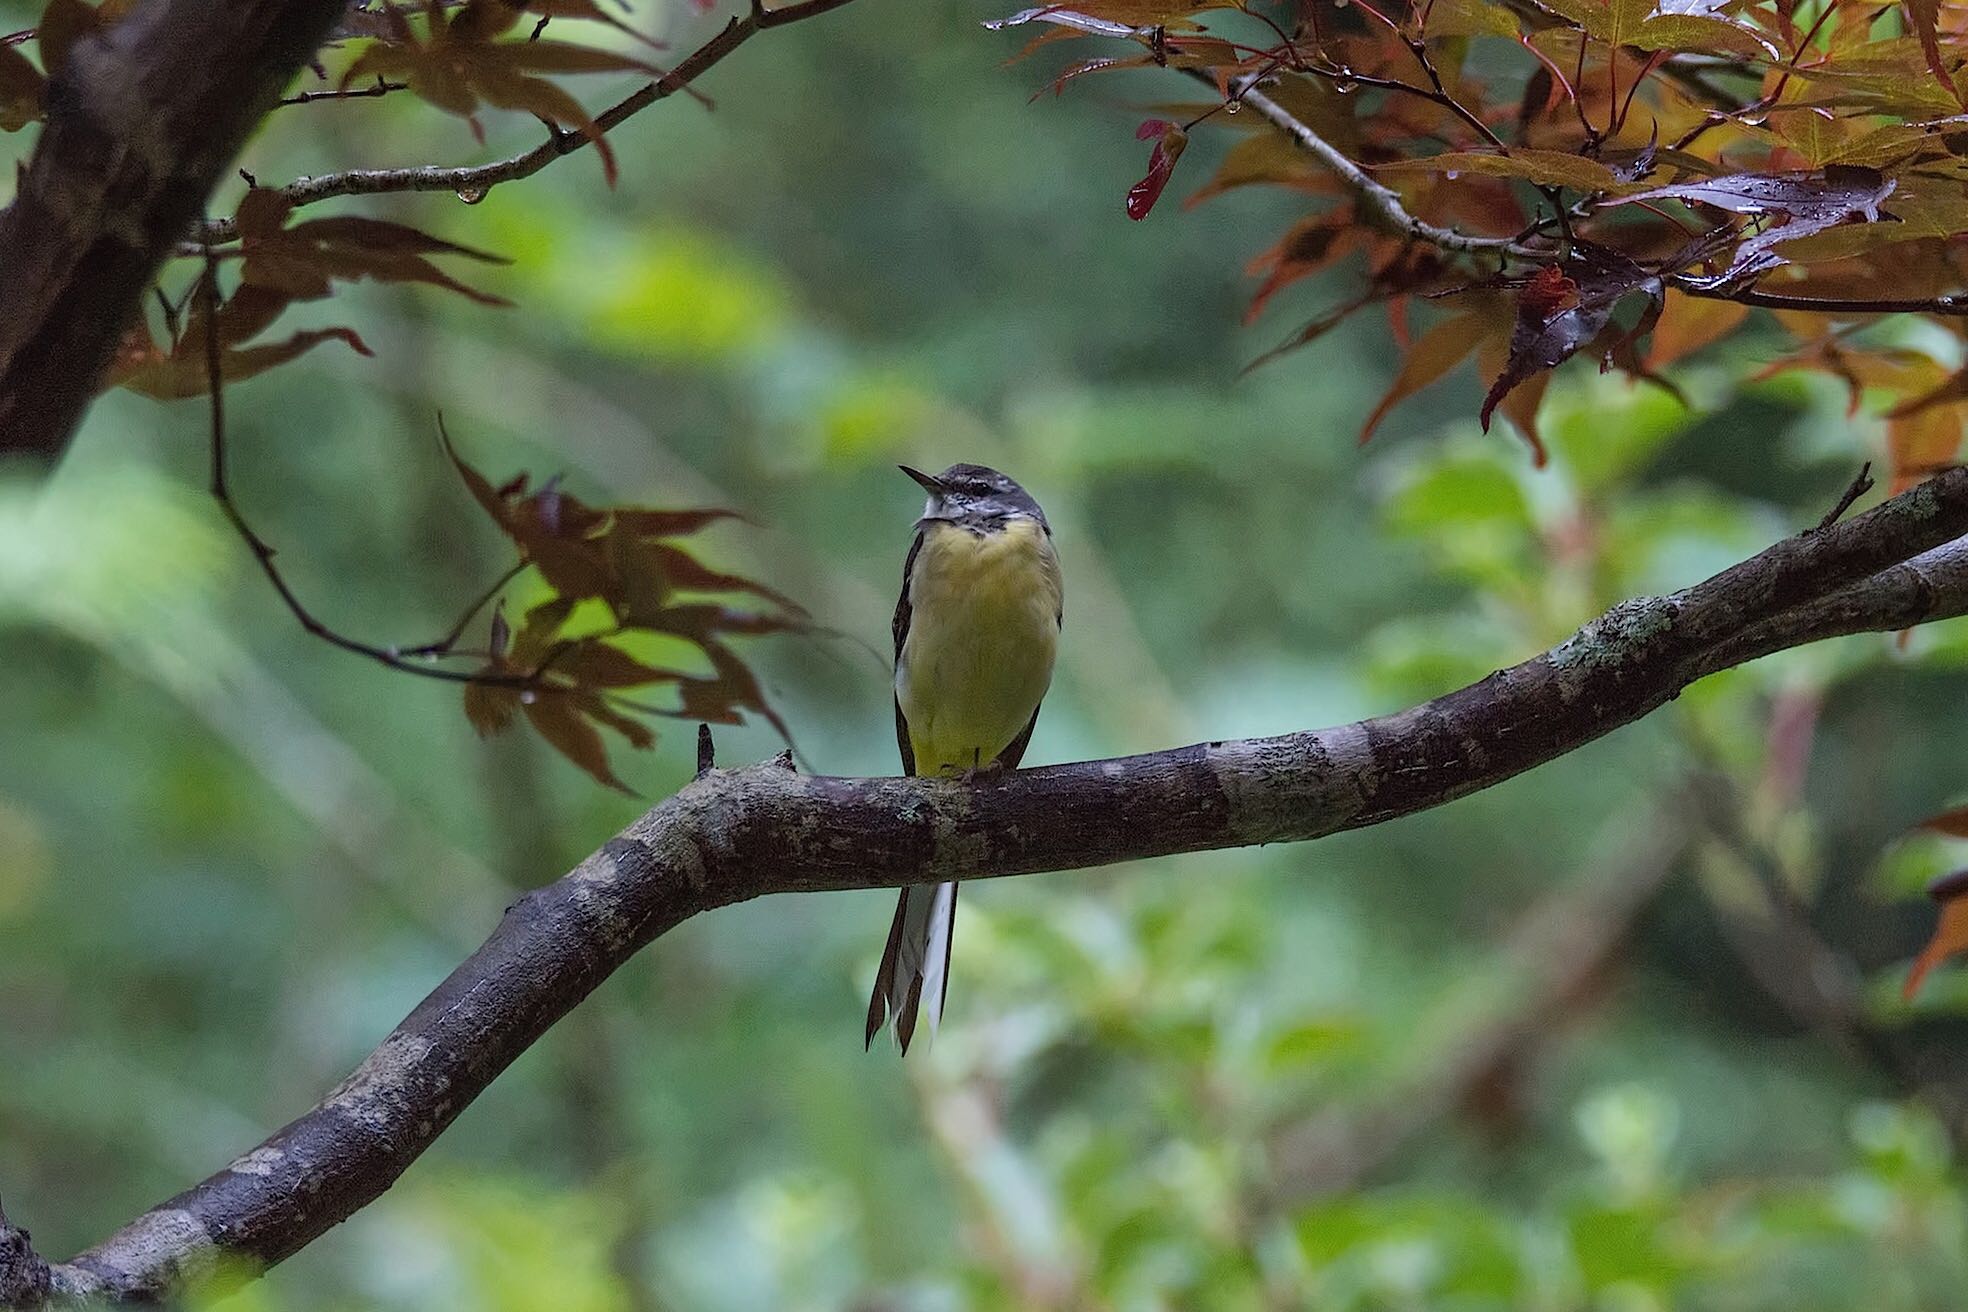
(378, 88)
(444, 645)
(208, 292)
(1375, 196)
(1857, 488)
(706, 751)
(476, 180)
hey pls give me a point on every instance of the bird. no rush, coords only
(976, 631)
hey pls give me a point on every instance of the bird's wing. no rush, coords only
(1014, 751)
(900, 627)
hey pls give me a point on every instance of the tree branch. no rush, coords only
(141, 121)
(732, 835)
(1384, 203)
(475, 180)
(25, 1280)
(1381, 200)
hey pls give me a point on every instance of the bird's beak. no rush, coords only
(929, 482)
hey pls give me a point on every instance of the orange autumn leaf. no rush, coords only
(567, 688)
(1690, 323)
(1950, 934)
(1436, 352)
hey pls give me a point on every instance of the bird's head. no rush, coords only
(973, 494)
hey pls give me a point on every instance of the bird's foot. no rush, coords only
(976, 773)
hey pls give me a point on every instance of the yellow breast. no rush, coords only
(983, 632)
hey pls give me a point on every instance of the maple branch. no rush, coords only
(141, 120)
(732, 835)
(378, 88)
(1379, 198)
(207, 289)
(1387, 204)
(473, 181)
(1953, 305)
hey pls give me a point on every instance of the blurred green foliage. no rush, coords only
(231, 858)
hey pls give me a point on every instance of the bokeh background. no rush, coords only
(1621, 1034)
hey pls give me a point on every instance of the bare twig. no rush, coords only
(378, 88)
(443, 646)
(1858, 487)
(1377, 198)
(473, 181)
(1954, 305)
(222, 493)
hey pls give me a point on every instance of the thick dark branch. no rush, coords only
(473, 181)
(142, 120)
(731, 835)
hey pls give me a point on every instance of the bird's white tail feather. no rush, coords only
(915, 970)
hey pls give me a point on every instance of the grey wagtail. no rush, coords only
(976, 629)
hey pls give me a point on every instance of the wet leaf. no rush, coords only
(1170, 141)
(303, 261)
(1561, 311)
(1547, 168)
(459, 64)
(1843, 191)
(1800, 206)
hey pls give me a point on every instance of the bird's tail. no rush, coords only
(915, 966)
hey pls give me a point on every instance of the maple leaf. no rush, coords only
(1950, 932)
(459, 65)
(628, 558)
(1170, 141)
(1563, 310)
(1433, 355)
(1925, 17)
(302, 262)
(176, 368)
(1799, 205)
